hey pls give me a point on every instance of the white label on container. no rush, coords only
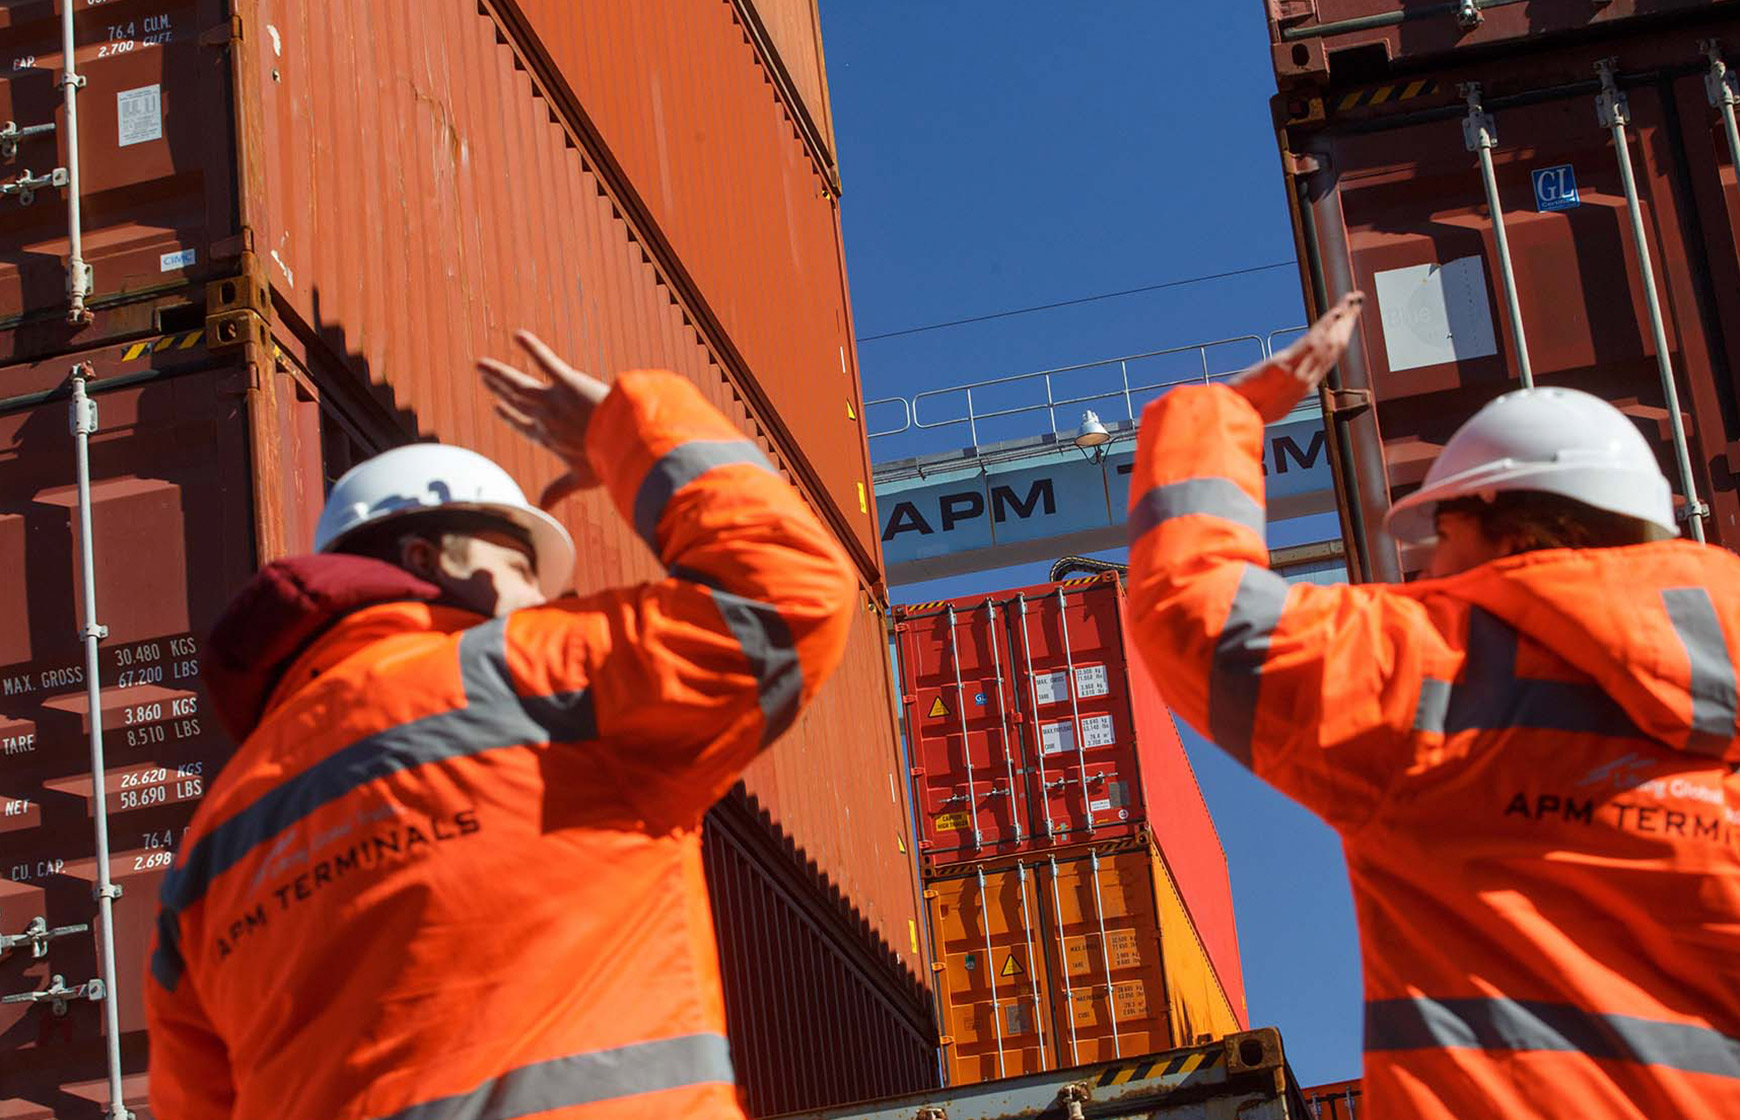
(187, 258)
(1057, 738)
(1432, 314)
(1090, 681)
(1049, 688)
(1096, 731)
(139, 115)
(1102, 806)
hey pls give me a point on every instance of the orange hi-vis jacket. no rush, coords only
(455, 871)
(1532, 767)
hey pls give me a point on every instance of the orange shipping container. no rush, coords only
(1068, 958)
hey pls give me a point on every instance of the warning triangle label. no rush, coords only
(938, 708)
(1011, 967)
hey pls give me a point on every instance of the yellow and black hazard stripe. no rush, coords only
(1383, 95)
(921, 608)
(182, 340)
(1083, 581)
(1177, 1068)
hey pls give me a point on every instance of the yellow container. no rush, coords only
(1092, 957)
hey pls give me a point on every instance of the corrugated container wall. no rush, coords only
(1034, 723)
(304, 221)
(1388, 195)
(1063, 959)
(712, 134)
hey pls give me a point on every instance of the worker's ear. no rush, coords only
(420, 556)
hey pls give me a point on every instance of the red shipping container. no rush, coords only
(1034, 725)
(1338, 1100)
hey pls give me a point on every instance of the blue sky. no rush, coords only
(998, 155)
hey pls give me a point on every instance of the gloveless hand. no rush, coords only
(554, 414)
(1276, 385)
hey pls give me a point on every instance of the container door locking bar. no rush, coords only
(57, 995)
(11, 136)
(1723, 85)
(37, 935)
(1480, 133)
(1613, 110)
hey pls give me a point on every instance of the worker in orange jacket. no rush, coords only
(454, 868)
(1530, 756)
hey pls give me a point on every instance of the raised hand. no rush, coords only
(1276, 385)
(555, 414)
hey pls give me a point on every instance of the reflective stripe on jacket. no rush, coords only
(1532, 767)
(455, 870)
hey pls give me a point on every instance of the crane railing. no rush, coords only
(1062, 388)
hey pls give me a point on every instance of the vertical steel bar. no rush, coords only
(1614, 111)
(1087, 803)
(77, 273)
(1106, 956)
(1724, 88)
(1003, 720)
(972, 421)
(966, 744)
(1038, 736)
(1481, 135)
(1032, 981)
(991, 971)
(84, 422)
(1129, 405)
(1063, 961)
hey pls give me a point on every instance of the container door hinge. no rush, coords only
(1345, 404)
(1292, 11)
(1469, 15)
(1072, 1097)
(57, 995)
(223, 34)
(37, 935)
(238, 308)
(25, 185)
(1303, 163)
(931, 1111)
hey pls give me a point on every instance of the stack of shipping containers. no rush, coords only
(1537, 191)
(303, 219)
(1078, 902)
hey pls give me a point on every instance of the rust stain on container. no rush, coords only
(1385, 193)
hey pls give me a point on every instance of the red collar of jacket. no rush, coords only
(280, 614)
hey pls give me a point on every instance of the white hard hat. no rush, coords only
(1553, 441)
(426, 476)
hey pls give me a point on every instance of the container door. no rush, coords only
(1421, 243)
(1080, 738)
(972, 792)
(156, 156)
(1104, 934)
(173, 533)
(990, 969)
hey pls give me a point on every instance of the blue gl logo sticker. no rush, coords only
(1556, 188)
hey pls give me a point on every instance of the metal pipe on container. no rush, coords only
(1032, 985)
(966, 745)
(1087, 802)
(991, 971)
(1033, 689)
(84, 422)
(78, 283)
(1063, 961)
(1724, 88)
(1105, 955)
(1003, 719)
(1480, 133)
(1614, 112)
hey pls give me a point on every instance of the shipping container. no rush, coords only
(1240, 1077)
(304, 221)
(716, 112)
(1317, 41)
(1610, 155)
(1068, 957)
(1338, 1100)
(1033, 723)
